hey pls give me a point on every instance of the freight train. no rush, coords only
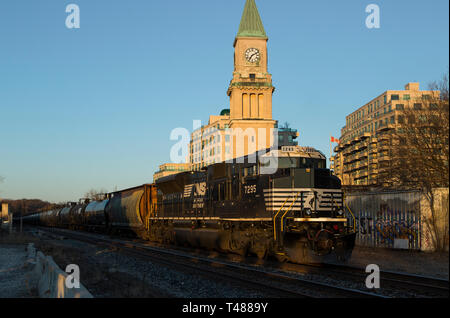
(295, 213)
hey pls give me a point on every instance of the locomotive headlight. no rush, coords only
(340, 212)
(307, 211)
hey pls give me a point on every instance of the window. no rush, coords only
(406, 97)
(385, 98)
(395, 97)
(423, 118)
(227, 138)
(426, 97)
(433, 106)
(390, 108)
(392, 120)
(417, 106)
(400, 107)
(400, 119)
(252, 76)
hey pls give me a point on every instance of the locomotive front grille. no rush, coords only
(278, 198)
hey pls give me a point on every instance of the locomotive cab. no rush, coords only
(306, 202)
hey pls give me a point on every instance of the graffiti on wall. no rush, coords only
(383, 219)
(390, 230)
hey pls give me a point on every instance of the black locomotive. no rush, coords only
(295, 212)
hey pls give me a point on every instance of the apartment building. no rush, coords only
(170, 168)
(364, 146)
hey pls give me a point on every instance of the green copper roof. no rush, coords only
(251, 24)
(225, 112)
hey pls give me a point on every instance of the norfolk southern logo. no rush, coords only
(197, 189)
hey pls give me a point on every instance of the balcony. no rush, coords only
(383, 146)
(385, 127)
(362, 174)
(382, 137)
(373, 151)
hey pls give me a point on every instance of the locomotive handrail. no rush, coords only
(284, 215)
(353, 216)
(287, 211)
(275, 219)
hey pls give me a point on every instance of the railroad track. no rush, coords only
(391, 282)
(274, 284)
(427, 286)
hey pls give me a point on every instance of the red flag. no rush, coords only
(334, 139)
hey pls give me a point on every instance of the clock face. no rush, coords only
(252, 55)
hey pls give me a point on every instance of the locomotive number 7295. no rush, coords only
(249, 189)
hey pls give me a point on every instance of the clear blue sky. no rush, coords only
(94, 107)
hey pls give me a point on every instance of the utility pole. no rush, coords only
(21, 217)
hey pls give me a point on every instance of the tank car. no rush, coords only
(94, 216)
(66, 215)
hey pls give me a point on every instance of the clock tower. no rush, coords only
(251, 88)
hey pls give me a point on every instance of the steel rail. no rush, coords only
(286, 286)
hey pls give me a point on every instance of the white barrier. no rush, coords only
(51, 280)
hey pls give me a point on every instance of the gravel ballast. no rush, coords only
(14, 274)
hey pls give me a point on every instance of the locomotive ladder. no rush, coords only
(278, 222)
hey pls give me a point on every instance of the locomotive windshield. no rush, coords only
(297, 162)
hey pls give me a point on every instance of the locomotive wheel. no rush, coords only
(241, 252)
(259, 248)
(281, 257)
(239, 243)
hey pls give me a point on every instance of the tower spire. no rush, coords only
(251, 24)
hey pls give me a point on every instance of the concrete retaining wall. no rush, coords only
(50, 279)
(435, 226)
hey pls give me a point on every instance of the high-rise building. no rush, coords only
(364, 146)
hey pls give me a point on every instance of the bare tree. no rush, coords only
(96, 195)
(419, 150)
